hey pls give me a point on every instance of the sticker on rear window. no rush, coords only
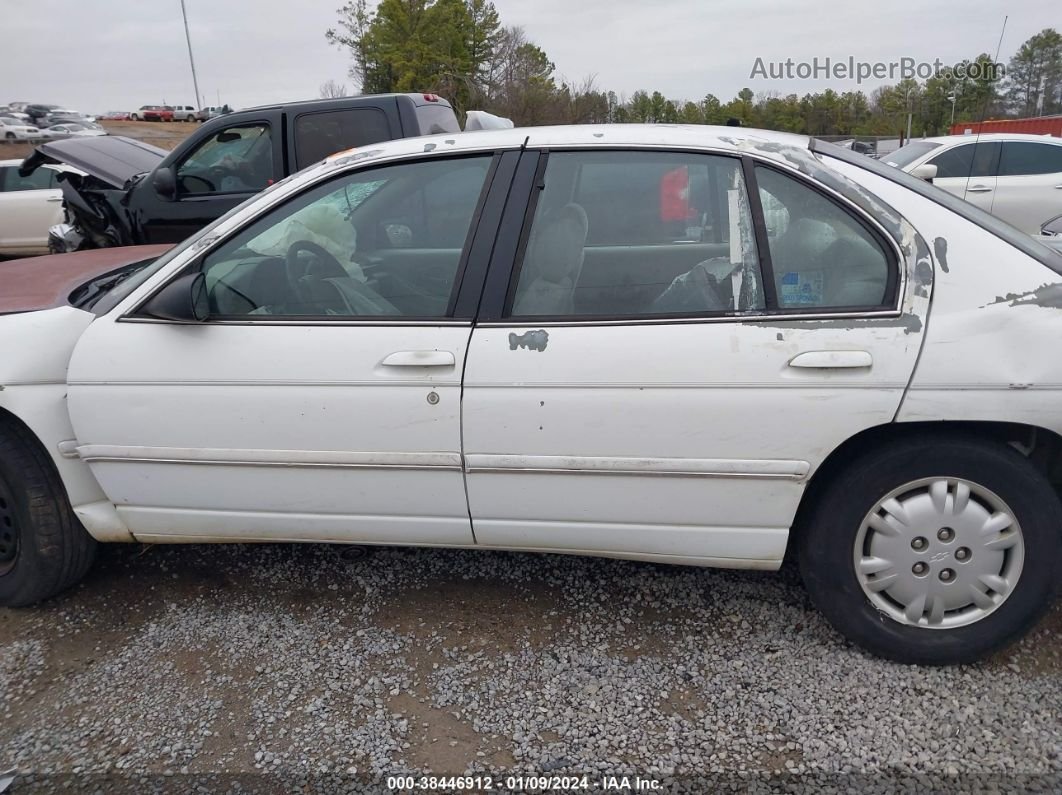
(801, 289)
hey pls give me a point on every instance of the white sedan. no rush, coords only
(29, 206)
(12, 129)
(579, 340)
(1017, 177)
(73, 130)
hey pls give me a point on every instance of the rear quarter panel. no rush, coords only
(992, 340)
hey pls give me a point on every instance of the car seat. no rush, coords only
(552, 264)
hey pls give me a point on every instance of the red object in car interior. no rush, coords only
(675, 195)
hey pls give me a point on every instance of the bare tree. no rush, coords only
(333, 90)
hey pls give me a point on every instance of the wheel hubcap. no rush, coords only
(8, 529)
(939, 553)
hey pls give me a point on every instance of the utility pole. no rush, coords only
(909, 114)
(191, 60)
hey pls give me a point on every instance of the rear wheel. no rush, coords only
(43, 547)
(10, 136)
(935, 551)
(134, 117)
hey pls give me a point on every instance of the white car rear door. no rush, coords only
(637, 389)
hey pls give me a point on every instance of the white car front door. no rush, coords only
(29, 206)
(321, 399)
(1029, 185)
(969, 172)
(639, 390)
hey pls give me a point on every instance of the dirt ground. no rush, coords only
(165, 135)
(313, 668)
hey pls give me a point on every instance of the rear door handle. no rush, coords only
(54, 198)
(978, 189)
(420, 359)
(832, 360)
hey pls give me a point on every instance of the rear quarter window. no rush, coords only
(318, 135)
(1020, 158)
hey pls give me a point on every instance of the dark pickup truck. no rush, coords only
(133, 193)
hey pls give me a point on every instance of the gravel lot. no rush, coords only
(314, 668)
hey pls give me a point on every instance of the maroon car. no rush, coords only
(60, 279)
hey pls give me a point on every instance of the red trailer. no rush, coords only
(1040, 125)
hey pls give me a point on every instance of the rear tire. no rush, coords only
(918, 509)
(43, 547)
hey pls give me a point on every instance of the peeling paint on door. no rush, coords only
(536, 340)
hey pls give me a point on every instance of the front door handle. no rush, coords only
(832, 360)
(420, 359)
(978, 189)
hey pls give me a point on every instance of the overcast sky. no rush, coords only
(98, 55)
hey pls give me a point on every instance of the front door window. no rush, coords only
(234, 160)
(385, 242)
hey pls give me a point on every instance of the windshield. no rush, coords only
(906, 155)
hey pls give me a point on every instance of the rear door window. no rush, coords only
(639, 234)
(822, 257)
(318, 135)
(1022, 158)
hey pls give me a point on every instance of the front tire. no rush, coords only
(934, 551)
(43, 547)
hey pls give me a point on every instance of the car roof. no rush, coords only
(341, 102)
(696, 136)
(949, 139)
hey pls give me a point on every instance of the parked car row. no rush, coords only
(15, 129)
(162, 113)
(42, 115)
(23, 121)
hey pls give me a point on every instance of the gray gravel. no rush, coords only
(311, 667)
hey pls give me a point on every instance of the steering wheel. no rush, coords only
(187, 181)
(298, 269)
(219, 173)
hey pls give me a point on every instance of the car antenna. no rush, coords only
(984, 113)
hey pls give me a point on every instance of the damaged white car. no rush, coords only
(696, 345)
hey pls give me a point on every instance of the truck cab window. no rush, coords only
(318, 135)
